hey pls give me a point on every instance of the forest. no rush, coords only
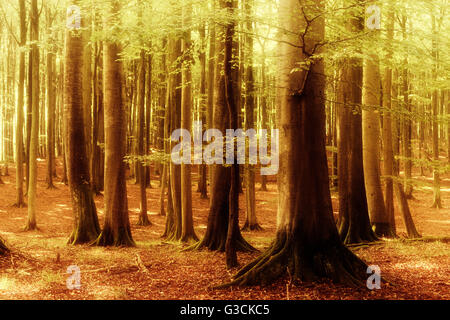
(224, 149)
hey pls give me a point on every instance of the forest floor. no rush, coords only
(37, 269)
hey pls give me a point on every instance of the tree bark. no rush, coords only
(34, 139)
(371, 145)
(220, 204)
(251, 222)
(86, 227)
(187, 222)
(307, 244)
(116, 230)
(353, 224)
(388, 152)
(20, 104)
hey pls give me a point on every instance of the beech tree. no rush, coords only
(86, 227)
(307, 243)
(353, 223)
(224, 199)
(116, 229)
(20, 104)
(34, 128)
(371, 143)
(187, 223)
(251, 222)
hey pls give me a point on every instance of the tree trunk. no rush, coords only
(218, 218)
(34, 139)
(173, 217)
(371, 146)
(187, 222)
(202, 182)
(116, 230)
(141, 137)
(20, 104)
(406, 125)
(353, 224)
(435, 112)
(251, 222)
(86, 227)
(51, 104)
(388, 152)
(307, 244)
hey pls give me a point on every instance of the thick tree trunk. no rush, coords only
(173, 218)
(218, 218)
(371, 146)
(353, 224)
(116, 230)
(232, 106)
(86, 226)
(307, 244)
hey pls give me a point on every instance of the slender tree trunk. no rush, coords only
(437, 203)
(20, 105)
(148, 111)
(230, 101)
(388, 153)
(187, 222)
(406, 127)
(34, 139)
(141, 137)
(51, 104)
(251, 222)
(211, 76)
(202, 182)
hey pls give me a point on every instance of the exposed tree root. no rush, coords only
(122, 239)
(218, 244)
(426, 239)
(144, 221)
(189, 238)
(51, 187)
(19, 205)
(251, 227)
(354, 232)
(335, 262)
(383, 230)
(87, 237)
(30, 226)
